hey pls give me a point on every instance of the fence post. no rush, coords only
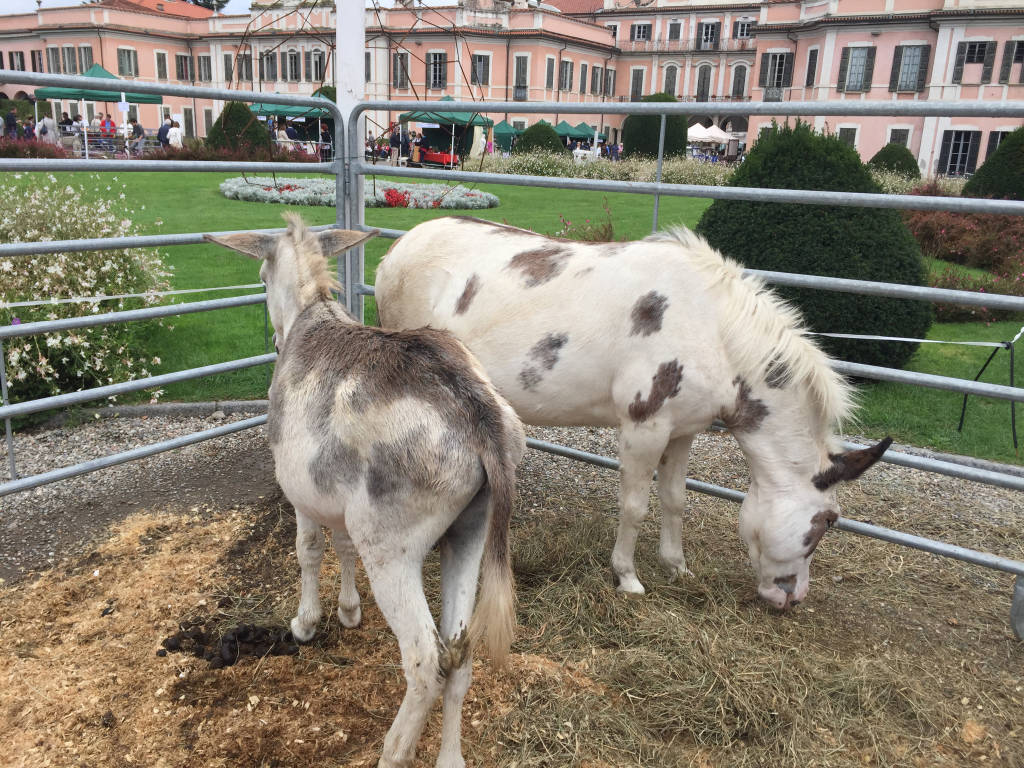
(7, 422)
(657, 179)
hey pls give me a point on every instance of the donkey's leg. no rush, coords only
(397, 584)
(639, 450)
(461, 550)
(309, 546)
(349, 612)
(672, 492)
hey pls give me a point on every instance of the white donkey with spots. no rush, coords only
(395, 441)
(658, 337)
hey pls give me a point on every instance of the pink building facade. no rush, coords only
(568, 52)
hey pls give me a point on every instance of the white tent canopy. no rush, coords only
(716, 134)
(697, 133)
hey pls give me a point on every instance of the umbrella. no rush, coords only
(565, 130)
(89, 94)
(587, 132)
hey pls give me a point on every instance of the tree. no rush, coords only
(213, 5)
(859, 243)
(539, 136)
(896, 158)
(640, 132)
(1002, 174)
(237, 127)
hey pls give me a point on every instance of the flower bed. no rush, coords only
(379, 194)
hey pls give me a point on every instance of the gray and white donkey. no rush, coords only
(396, 441)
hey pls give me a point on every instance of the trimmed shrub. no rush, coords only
(897, 158)
(1002, 173)
(197, 150)
(857, 243)
(640, 132)
(30, 148)
(46, 364)
(237, 128)
(539, 136)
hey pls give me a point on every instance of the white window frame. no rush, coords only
(900, 127)
(515, 69)
(156, 65)
(16, 60)
(318, 62)
(739, 28)
(472, 65)
(861, 85)
(614, 29)
(66, 49)
(294, 59)
(849, 126)
(664, 78)
(190, 75)
(400, 70)
(634, 29)
(519, 125)
(430, 69)
(81, 62)
(566, 72)
(133, 60)
(53, 54)
(632, 78)
(912, 88)
(209, 66)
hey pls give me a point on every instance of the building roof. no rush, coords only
(577, 6)
(164, 7)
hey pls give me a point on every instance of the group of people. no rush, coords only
(101, 131)
(13, 127)
(286, 134)
(396, 146)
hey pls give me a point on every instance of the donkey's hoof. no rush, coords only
(630, 585)
(350, 617)
(301, 633)
(678, 572)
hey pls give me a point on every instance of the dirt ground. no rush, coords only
(897, 658)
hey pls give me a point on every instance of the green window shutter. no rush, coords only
(787, 71)
(990, 60)
(922, 72)
(894, 75)
(972, 150)
(812, 67)
(869, 68)
(1004, 67)
(844, 64)
(947, 140)
(717, 33)
(958, 64)
(762, 76)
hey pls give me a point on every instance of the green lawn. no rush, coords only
(180, 202)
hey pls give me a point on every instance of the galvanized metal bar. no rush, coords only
(739, 109)
(657, 178)
(7, 422)
(24, 165)
(135, 241)
(147, 313)
(985, 559)
(932, 381)
(167, 89)
(1017, 608)
(755, 194)
(34, 481)
(150, 382)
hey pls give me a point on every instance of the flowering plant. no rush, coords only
(314, 191)
(46, 364)
(393, 198)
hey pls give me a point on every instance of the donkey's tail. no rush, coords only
(494, 620)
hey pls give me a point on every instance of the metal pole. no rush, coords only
(1017, 608)
(7, 421)
(350, 42)
(661, 160)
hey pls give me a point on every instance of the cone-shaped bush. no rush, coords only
(640, 132)
(1002, 174)
(857, 243)
(897, 158)
(238, 128)
(539, 136)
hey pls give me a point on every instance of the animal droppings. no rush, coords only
(237, 643)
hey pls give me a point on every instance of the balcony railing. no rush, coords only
(774, 94)
(519, 93)
(685, 46)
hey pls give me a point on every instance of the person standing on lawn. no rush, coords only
(161, 134)
(137, 139)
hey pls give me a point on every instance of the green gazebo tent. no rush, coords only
(583, 128)
(503, 135)
(90, 94)
(445, 118)
(285, 110)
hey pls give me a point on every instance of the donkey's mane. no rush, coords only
(765, 337)
(315, 280)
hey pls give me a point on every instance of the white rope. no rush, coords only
(918, 341)
(95, 299)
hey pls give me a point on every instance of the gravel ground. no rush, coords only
(44, 525)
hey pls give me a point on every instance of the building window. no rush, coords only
(609, 82)
(636, 84)
(549, 74)
(400, 70)
(739, 82)
(90, 112)
(161, 66)
(983, 53)
(183, 67)
(70, 60)
(37, 61)
(229, 67)
(84, 58)
(294, 63)
(16, 60)
(207, 120)
(959, 152)
(812, 67)
(675, 29)
(190, 122)
(565, 76)
(704, 83)
(670, 80)
(268, 67)
(205, 68)
(995, 138)
(244, 62)
(316, 66)
(127, 62)
(437, 70)
(776, 74)
(53, 60)
(741, 29)
(1013, 53)
(709, 35)
(481, 73)
(856, 68)
(909, 68)
(899, 136)
(519, 125)
(639, 31)
(522, 71)
(848, 136)
(583, 78)
(614, 29)
(596, 80)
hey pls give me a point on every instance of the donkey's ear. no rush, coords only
(335, 241)
(252, 244)
(850, 465)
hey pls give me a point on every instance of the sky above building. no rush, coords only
(23, 6)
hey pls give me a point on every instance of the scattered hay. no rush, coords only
(897, 659)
